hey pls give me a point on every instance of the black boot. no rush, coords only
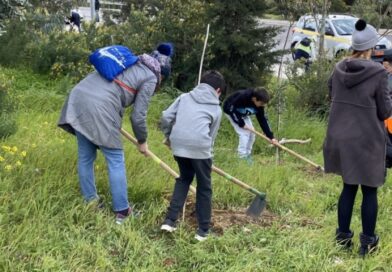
(344, 239)
(368, 244)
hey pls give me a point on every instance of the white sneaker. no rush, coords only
(168, 226)
(201, 235)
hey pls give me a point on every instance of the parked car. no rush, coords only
(338, 31)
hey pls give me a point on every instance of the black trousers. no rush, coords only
(188, 169)
(369, 208)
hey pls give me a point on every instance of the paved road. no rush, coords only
(280, 39)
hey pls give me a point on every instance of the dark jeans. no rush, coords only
(368, 209)
(188, 169)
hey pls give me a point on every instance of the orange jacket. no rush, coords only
(388, 124)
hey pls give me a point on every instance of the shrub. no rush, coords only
(311, 85)
(7, 110)
(13, 43)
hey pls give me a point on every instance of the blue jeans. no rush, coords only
(87, 153)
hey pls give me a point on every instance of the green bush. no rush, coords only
(7, 110)
(311, 85)
(13, 43)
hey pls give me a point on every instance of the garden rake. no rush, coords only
(319, 167)
(258, 203)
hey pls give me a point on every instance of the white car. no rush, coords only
(338, 31)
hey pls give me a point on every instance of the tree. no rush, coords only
(54, 6)
(11, 9)
(240, 48)
(375, 12)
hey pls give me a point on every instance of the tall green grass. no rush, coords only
(45, 226)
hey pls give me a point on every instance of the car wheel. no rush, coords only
(340, 53)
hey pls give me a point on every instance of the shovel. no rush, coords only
(258, 203)
(319, 167)
(155, 158)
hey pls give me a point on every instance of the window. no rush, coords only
(344, 26)
(310, 24)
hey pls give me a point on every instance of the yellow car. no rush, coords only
(338, 31)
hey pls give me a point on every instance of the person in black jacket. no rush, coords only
(238, 107)
(75, 19)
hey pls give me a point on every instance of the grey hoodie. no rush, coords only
(191, 123)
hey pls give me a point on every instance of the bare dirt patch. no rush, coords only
(225, 219)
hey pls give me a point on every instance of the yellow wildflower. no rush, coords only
(8, 167)
(14, 149)
(23, 153)
(6, 148)
(18, 163)
(1, 159)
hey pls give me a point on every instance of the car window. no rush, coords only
(328, 29)
(344, 26)
(300, 23)
(310, 24)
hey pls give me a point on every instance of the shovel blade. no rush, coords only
(256, 207)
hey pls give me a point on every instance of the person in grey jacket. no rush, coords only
(190, 126)
(354, 147)
(93, 112)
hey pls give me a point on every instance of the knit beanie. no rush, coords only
(364, 37)
(163, 54)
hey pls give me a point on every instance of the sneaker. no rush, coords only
(248, 159)
(201, 235)
(168, 226)
(120, 218)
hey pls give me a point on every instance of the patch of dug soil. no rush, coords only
(311, 170)
(224, 219)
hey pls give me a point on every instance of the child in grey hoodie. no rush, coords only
(190, 125)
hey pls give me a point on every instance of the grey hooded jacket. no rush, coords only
(355, 143)
(95, 106)
(191, 123)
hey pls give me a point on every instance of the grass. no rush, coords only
(45, 226)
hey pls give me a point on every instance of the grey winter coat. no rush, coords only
(191, 123)
(95, 106)
(355, 143)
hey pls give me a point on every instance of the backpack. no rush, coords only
(111, 61)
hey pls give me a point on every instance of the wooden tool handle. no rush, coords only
(155, 158)
(287, 150)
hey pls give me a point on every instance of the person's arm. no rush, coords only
(263, 122)
(215, 127)
(234, 115)
(330, 87)
(169, 117)
(140, 107)
(383, 98)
